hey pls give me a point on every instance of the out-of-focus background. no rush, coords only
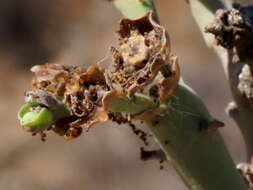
(80, 32)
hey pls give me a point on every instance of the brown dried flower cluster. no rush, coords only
(142, 63)
(82, 91)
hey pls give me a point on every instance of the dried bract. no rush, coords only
(42, 97)
(143, 61)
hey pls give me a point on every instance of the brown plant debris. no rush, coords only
(120, 119)
(233, 29)
(43, 98)
(142, 63)
(82, 91)
(246, 170)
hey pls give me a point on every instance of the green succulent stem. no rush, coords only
(240, 110)
(134, 8)
(136, 105)
(200, 158)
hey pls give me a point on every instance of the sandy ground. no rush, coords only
(106, 158)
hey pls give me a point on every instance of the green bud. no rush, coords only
(35, 120)
(41, 112)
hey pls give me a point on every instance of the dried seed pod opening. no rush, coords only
(143, 58)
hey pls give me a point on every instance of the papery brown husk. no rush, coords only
(135, 71)
(82, 91)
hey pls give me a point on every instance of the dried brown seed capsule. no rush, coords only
(143, 58)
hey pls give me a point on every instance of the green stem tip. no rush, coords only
(35, 116)
(35, 119)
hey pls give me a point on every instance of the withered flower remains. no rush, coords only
(141, 64)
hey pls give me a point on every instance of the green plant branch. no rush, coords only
(203, 12)
(213, 5)
(202, 160)
(134, 8)
(241, 109)
(199, 157)
(136, 105)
